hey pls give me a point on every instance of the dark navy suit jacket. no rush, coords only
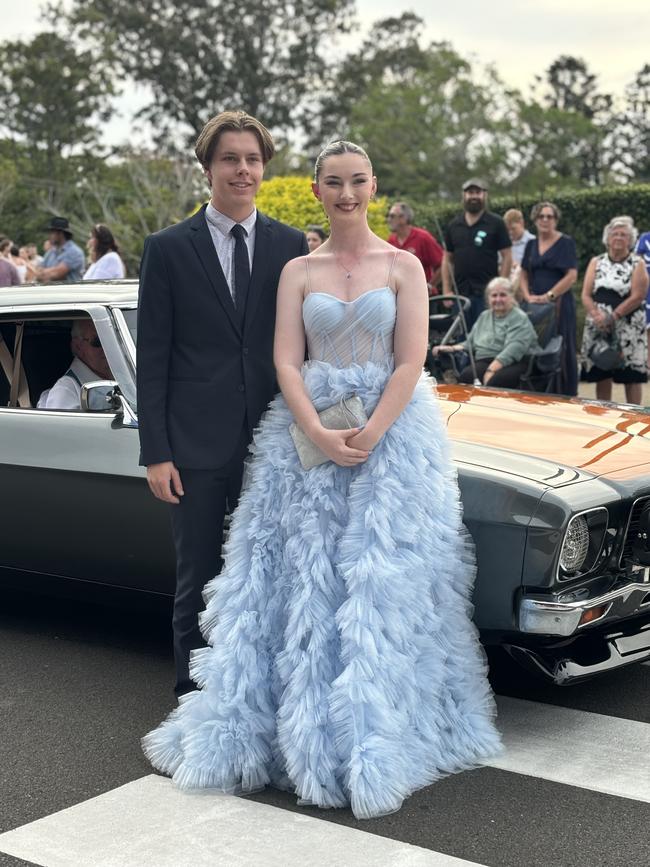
(199, 373)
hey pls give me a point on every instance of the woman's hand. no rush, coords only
(435, 350)
(494, 367)
(536, 299)
(334, 443)
(600, 320)
(362, 440)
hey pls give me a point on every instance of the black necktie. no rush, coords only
(242, 269)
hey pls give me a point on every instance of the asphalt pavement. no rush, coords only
(80, 683)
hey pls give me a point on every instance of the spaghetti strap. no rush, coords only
(390, 270)
(308, 284)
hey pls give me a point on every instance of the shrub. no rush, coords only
(584, 213)
(291, 200)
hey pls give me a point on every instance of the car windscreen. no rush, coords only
(131, 317)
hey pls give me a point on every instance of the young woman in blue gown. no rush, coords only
(342, 662)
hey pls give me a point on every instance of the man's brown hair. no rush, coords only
(232, 121)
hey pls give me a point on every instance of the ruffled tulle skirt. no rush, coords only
(342, 661)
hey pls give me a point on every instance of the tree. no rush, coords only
(568, 86)
(428, 131)
(390, 54)
(202, 56)
(553, 148)
(51, 95)
(631, 139)
(135, 196)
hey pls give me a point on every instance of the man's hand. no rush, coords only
(165, 482)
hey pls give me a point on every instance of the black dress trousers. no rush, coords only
(197, 525)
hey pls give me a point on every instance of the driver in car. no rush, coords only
(89, 364)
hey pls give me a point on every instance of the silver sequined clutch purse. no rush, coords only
(347, 413)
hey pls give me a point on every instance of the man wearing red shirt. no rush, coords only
(406, 236)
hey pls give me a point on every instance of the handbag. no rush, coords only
(605, 351)
(347, 413)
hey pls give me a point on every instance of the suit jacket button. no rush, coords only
(241, 388)
(245, 350)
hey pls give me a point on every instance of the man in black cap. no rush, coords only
(474, 242)
(64, 261)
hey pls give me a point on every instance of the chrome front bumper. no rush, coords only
(567, 665)
(540, 616)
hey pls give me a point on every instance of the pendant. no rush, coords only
(348, 276)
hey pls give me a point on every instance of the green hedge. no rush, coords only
(584, 213)
(290, 199)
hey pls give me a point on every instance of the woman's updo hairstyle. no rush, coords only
(335, 149)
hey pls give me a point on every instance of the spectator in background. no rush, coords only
(405, 236)
(88, 365)
(64, 260)
(6, 247)
(19, 263)
(614, 343)
(500, 339)
(105, 261)
(8, 274)
(316, 235)
(33, 255)
(548, 271)
(474, 241)
(32, 260)
(519, 234)
(643, 250)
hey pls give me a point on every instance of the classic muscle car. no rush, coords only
(556, 492)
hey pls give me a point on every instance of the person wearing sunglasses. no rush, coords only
(88, 365)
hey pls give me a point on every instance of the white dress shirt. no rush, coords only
(224, 243)
(66, 391)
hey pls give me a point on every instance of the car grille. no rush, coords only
(627, 555)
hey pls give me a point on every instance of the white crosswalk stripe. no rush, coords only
(148, 823)
(589, 750)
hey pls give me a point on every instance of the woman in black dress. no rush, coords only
(548, 271)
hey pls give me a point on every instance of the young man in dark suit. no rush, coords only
(205, 355)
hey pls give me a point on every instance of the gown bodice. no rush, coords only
(342, 333)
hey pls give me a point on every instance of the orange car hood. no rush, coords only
(553, 440)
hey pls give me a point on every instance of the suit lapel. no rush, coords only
(261, 256)
(204, 246)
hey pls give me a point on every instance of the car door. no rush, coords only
(76, 502)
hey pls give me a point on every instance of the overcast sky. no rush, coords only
(520, 39)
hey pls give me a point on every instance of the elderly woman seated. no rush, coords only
(500, 339)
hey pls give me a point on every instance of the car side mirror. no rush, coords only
(105, 396)
(100, 396)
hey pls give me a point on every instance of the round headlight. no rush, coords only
(575, 545)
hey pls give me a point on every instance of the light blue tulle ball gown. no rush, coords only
(342, 661)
